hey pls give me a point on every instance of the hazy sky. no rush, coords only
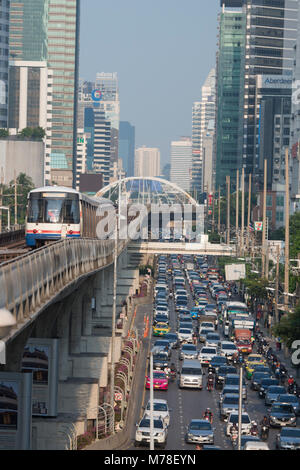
(162, 51)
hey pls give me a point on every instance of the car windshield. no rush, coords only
(208, 351)
(185, 331)
(189, 347)
(282, 408)
(227, 370)
(232, 381)
(145, 423)
(159, 357)
(228, 346)
(234, 418)
(219, 360)
(199, 426)
(275, 390)
(288, 399)
(158, 406)
(254, 359)
(191, 371)
(290, 433)
(212, 336)
(158, 375)
(231, 400)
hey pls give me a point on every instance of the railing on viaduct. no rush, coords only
(29, 282)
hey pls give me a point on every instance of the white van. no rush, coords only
(191, 374)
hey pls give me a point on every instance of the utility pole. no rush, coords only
(287, 232)
(16, 198)
(243, 212)
(237, 207)
(264, 222)
(249, 210)
(228, 209)
(219, 212)
(277, 285)
(240, 408)
(151, 403)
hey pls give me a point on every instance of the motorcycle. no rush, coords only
(264, 434)
(207, 418)
(234, 438)
(210, 385)
(173, 375)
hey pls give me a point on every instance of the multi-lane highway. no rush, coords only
(188, 404)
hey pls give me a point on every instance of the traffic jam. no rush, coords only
(203, 336)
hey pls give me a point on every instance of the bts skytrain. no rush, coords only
(56, 212)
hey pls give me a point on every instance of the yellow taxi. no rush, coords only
(160, 329)
(251, 361)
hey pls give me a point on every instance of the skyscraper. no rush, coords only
(181, 163)
(203, 113)
(147, 162)
(4, 40)
(48, 31)
(229, 111)
(127, 146)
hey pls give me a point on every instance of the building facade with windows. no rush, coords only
(181, 163)
(147, 162)
(4, 57)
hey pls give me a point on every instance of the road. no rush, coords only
(187, 404)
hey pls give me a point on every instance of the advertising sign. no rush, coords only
(41, 358)
(258, 226)
(15, 411)
(235, 272)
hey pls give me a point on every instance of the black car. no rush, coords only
(160, 361)
(264, 384)
(220, 375)
(288, 439)
(173, 339)
(217, 362)
(161, 319)
(257, 377)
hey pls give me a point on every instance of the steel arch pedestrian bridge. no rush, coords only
(146, 190)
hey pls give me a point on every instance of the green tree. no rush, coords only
(24, 186)
(4, 133)
(289, 327)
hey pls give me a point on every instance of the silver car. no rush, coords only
(230, 403)
(188, 351)
(199, 430)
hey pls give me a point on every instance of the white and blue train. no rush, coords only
(56, 212)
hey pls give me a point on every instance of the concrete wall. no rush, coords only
(24, 157)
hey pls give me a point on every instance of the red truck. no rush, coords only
(242, 339)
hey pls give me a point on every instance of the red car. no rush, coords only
(160, 380)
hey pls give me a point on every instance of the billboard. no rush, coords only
(41, 358)
(235, 272)
(274, 81)
(15, 411)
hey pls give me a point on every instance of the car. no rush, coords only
(208, 325)
(248, 438)
(203, 332)
(251, 361)
(282, 414)
(234, 418)
(256, 445)
(217, 362)
(199, 431)
(142, 434)
(160, 360)
(161, 329)
(257, 377)
(264, 384)
(228, 389)
(221, 373)
(212, 339)
(188, 351)
(160, 410)
(234, 379)
(292, 400)
(160, 318)
(229, 403)
(191, 374)
(163, 344)
(206, 354)
(185, 334)
(173, 339)
(186, 324)
(228, 349)
(272, 393)
(288, 439)
(160, 380)
(194, 313)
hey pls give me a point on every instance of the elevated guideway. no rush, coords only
(182, 248)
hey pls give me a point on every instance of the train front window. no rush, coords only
(53, 210)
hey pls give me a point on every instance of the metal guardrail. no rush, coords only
(32, 280)
(13, 236)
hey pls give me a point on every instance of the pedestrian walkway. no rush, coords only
(284, 355)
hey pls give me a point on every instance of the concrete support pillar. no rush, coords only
(76, 325)
(63, 332)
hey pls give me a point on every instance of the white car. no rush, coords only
(212, 339)
(208, 326)
(160, 410)
(206, 354)
(228, 349)
(234, 418)
(142, 434)
(185, 334)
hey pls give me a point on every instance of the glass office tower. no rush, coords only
(4, 37)
(230, 66)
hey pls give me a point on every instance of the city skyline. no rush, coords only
(162, 72)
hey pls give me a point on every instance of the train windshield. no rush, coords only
(55, 208)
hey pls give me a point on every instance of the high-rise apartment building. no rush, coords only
(127, 146)
(48, 31)
(147, 162)
(102, 145)
(203, 113)
(4, 52)
(181, 163)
